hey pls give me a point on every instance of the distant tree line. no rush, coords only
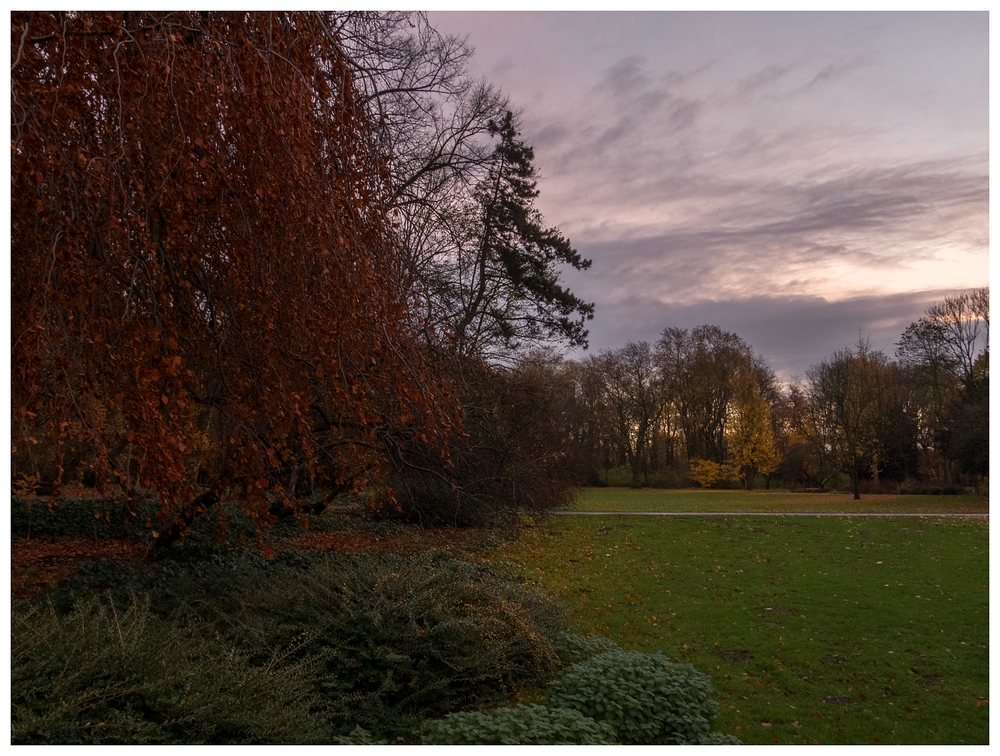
(700, 406)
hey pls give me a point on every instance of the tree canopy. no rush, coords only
(206, 283)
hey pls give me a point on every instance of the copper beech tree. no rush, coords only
(206, 295)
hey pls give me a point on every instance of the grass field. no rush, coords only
(814, 630)
(698, 500)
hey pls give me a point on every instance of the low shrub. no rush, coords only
(98, 518)
(922, 490)
(573, 649)
(673, 476)
(646, 698)
(527, 724)
(88, 518)
(404, 639)
(359, 736)
(225, 646)
(391, 640)
(878, 487)
(109, 672)
(608, 696)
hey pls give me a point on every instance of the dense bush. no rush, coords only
(89, 518)
(604, 695)
(573, 649)
(389, 641)
(528, 724)
(110, 672)
(923, 490)
(227, 647)
(404, 639)
(647, 698)
(109, 518)
(664, 476)
(512, 458)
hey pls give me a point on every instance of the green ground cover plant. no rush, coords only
(227, 647)
(813, 630)
(697, 500)
(603, 695)
(645, 697)
(113, 672)
(527, 724)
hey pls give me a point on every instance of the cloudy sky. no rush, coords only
(797, 178)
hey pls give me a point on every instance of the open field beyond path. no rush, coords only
(831, 630)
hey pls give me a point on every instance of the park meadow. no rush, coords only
(814, 629)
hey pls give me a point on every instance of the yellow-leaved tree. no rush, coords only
(752, 449)
(706, 472)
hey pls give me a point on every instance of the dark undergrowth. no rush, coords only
(214, 643)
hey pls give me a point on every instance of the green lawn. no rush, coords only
(699, 500)
(814, 630)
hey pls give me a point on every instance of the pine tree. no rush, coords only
(512, 292)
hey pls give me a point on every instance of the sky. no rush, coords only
(800, 179)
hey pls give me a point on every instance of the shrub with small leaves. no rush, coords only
(396, 640)
(716, 738)
(573, 649)
(647, 698)
(527, 724)
(114, 673)
(403, 639)
(389, 641)
(358, 736)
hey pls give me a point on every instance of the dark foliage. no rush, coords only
(514, 458)
(646, 698)
(371, 641)
(528, 724)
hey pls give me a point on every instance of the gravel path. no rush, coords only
(982, 515)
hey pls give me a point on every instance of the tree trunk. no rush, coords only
(175, 531)
(636, 471)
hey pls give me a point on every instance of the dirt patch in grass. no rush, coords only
(839, 700)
